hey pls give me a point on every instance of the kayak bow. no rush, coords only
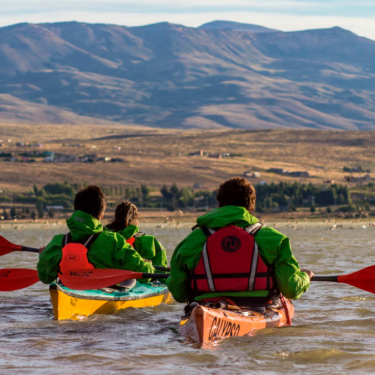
(77, 304)
(207, 325)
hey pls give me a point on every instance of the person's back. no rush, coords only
(125, 223)
(197, 261)
(108, 250)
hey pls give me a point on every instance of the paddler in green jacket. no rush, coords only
(125, 223)
(109, 250)
(236, 199)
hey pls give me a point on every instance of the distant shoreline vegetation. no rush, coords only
(282, 197)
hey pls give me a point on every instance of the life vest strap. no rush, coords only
(233, 275)
(139, 234)
(207, 266)
(207, 231)
(86, 242)
(254, 229)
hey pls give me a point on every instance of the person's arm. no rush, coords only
(128, 259)
(185, 258)
(49, 260)
(276, 251)
(160, 258)
(145, 246)
(291, 280)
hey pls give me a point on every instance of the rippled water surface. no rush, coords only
(333, 330)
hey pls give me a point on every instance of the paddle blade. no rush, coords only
(7, 247)
(96, 278)
(363, 279)
(17, 278)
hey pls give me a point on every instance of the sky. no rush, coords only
(286, 15)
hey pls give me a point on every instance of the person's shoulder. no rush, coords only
(57, 238)
(197, 234)
(110, 236)
(270, 232)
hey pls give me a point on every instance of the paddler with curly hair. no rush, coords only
(125, 223)
(87, 245)
(230, 254)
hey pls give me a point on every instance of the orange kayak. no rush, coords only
(206, 325)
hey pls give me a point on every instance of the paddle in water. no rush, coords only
(7, 247)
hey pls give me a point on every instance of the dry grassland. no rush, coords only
(158, 156)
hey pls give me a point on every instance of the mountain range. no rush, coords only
(220, 75)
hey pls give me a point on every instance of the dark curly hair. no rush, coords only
(126, 213)
(237, 192)
(91, 200)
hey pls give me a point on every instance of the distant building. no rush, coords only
(367, 177)
(117, 160)
(56, 208)
(357, 169)
(278, 170)
(48, 154)
(198, 185)
(66, 158)
(299, 174)
(252, 174)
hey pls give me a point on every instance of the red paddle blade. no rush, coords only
(7, 247)
(96, 278)
(363, 279)
(17, 278)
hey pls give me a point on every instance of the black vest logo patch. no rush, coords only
(72, 257)
(230, 244)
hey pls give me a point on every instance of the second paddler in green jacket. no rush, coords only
(125, 223)
(106, 249)
(205, 269)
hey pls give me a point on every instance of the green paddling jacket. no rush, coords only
(110, 250)
(274, 249)
(146, 245)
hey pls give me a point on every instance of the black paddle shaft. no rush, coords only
(160, 268)
(155, 275)
(325, 278)
(30, 249)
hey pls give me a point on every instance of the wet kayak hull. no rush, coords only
(77, 304)
(207, 325)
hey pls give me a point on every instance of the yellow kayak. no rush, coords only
(79, 304)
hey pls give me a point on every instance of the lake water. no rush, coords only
(333, 330)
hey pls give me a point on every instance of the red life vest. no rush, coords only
(74, 253)
(231, 262)
(131, 240)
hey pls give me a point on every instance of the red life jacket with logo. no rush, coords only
(231, 262)
(74, 253)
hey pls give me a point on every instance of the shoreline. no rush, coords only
(179, 217)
